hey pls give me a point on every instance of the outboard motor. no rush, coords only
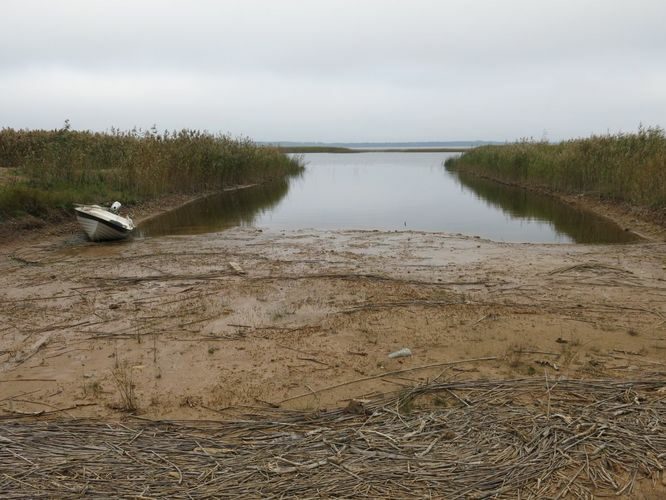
(115, 206)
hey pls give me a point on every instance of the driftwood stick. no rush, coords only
(386, 374)
(12, 380)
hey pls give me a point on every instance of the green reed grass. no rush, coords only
(623, 167)
(54, 169)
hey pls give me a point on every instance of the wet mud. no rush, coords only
(306, 319)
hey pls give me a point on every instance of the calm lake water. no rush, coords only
(391, 191)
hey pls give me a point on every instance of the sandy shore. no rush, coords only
(310, 310)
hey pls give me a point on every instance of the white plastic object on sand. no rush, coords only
(402, 353)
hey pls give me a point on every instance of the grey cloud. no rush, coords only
(336, 70)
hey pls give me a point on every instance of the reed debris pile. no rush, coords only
(531, 438)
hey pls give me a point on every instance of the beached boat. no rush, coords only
(101, 224)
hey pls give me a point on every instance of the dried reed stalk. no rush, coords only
(509, 438)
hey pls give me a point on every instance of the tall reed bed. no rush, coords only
(621, 167)
(54, 169)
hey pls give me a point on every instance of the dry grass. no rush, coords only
(622, 167)
(123, 378)
(53, 169)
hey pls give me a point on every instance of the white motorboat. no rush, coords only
(101, 224)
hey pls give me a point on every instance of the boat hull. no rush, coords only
(101, 227)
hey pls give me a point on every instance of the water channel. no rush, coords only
(391, 191)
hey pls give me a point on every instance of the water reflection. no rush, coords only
(391, 191)
(581, 226)
(218, 212)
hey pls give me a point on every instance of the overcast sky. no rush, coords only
(324, 70)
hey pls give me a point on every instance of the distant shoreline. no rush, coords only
(343, 150)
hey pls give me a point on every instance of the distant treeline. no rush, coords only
(315, 149)
(45, 170)
(386, 145)
(623, 167)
